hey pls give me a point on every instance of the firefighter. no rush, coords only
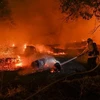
(92, 52)
(38, 63)
(57, 66)
(47, 62)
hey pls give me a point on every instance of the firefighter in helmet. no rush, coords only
(92, 52)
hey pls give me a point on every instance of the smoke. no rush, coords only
(40, 21)
(77, 30)
(37, 21)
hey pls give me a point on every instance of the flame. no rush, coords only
(41, 48)
(25, 46)
(44, 49)
(18, 62)
(61, 53)
(52, 71)
(13, 45)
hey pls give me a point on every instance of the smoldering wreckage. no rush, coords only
(38, 57)
(11, 61)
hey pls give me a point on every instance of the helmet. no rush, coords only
(57, 66)
(89, 39)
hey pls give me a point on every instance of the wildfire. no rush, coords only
(42, 49)
(12, 61)
(48, 50)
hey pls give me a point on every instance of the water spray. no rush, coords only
(69, 60)
(50, 63)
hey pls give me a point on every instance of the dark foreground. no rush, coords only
(44, 85)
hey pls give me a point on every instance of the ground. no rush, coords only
(48, 86)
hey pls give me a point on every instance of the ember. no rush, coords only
(25, 45)
(50, 50)
(13, 45)
(18, 62)
(10, 63)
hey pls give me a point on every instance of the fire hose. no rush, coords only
(58, 66)
(63, 78)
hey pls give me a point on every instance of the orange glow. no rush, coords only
(42, 22)
(13, 45)
(19, 65)
(25, 45)
(52, 71)
(18, 57)
(44, 49)
(18, 62)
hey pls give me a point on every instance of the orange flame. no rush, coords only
(19, 62)
(25, 45)
(13, 45)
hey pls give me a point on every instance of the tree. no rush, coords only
(80, 8)
(5, 11)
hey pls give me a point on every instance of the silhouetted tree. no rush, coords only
(80, 8)
(5, 11)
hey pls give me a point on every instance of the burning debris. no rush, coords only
(33, 55)
(10, 63)
(43, 49)
(29, 50)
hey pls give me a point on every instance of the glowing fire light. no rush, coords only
(44, 49)
(18, 57)
(25, 46)
(61, 53)
(13, 45)
(83, 40)
(19, 62)
(52, 71)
